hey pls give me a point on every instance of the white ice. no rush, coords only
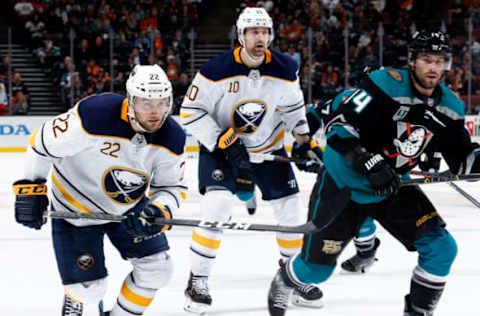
(30, 284)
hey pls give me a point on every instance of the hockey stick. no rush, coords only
(440, 178)
(451, 184)
(259, 157)
(329, 209)
(305, 228)
(312, 164)
(464, 194)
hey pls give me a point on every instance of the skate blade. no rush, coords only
(194, 307)
(297, 300)
(361, 271)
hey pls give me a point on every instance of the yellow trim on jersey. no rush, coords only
(192, 148)
(183, 194)
(133, 297)
(32, 138)
(69, 295)
(276, 140)
(205, 242)
(268, 56)
(185, 115)
(69, 198)
(124, 110)
(14, 149)
(290, 243)
(236, 55)
(118, 137)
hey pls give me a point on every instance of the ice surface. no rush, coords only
(30, 284)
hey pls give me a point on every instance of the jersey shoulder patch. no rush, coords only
(171, 136)
(280, 66)
(394, 82)
(223, 67)
(100, 115)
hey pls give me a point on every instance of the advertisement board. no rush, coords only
(15, 132)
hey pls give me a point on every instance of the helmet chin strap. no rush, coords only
(252, 61)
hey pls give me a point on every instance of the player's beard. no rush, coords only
(424, 81)
(258, 50)
(151, 123)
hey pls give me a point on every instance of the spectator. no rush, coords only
(292, 32)
(24, 9)
(36, 28)
(3, 100)
(78, 92)
(180, 88)
(83, 54)
(143, 44)
(4, 68)
(294, 54)
(172, 68)
(329, 82)
(20, 95)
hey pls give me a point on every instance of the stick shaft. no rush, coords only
(305, 228)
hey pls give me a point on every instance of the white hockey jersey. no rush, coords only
(260, 104)
(101, 165)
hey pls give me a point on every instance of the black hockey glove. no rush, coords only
(31, 202)
(139, 220)
(234, 150)
(310, 153)
(382, 177)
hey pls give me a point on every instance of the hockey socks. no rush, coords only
(425, 292)
(133, 299)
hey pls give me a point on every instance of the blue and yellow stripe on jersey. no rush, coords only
(105, 116)
(229, 64)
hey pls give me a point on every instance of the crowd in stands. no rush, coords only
(329, 19)
(139, 32)
(145, 32)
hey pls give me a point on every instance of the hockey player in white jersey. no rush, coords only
(106, 153)
(242, 101)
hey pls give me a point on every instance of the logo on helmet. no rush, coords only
(248, 115)
(124, 186)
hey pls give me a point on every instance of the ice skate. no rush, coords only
(71, 307)
(361, 262)
(197, 295)
(278, 296)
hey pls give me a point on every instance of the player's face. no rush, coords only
(151, 112)
(429, 69)
(256, 39)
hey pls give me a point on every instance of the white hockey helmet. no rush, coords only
(149, 82)
(253, 17)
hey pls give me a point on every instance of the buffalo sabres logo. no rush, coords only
(124, 186)
(85, 261)
(248, 115)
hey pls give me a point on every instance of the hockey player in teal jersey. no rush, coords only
(107, 153)
(375, 135)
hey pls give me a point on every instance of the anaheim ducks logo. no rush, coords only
(248, 115)
(413, 141)
(124, 186)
